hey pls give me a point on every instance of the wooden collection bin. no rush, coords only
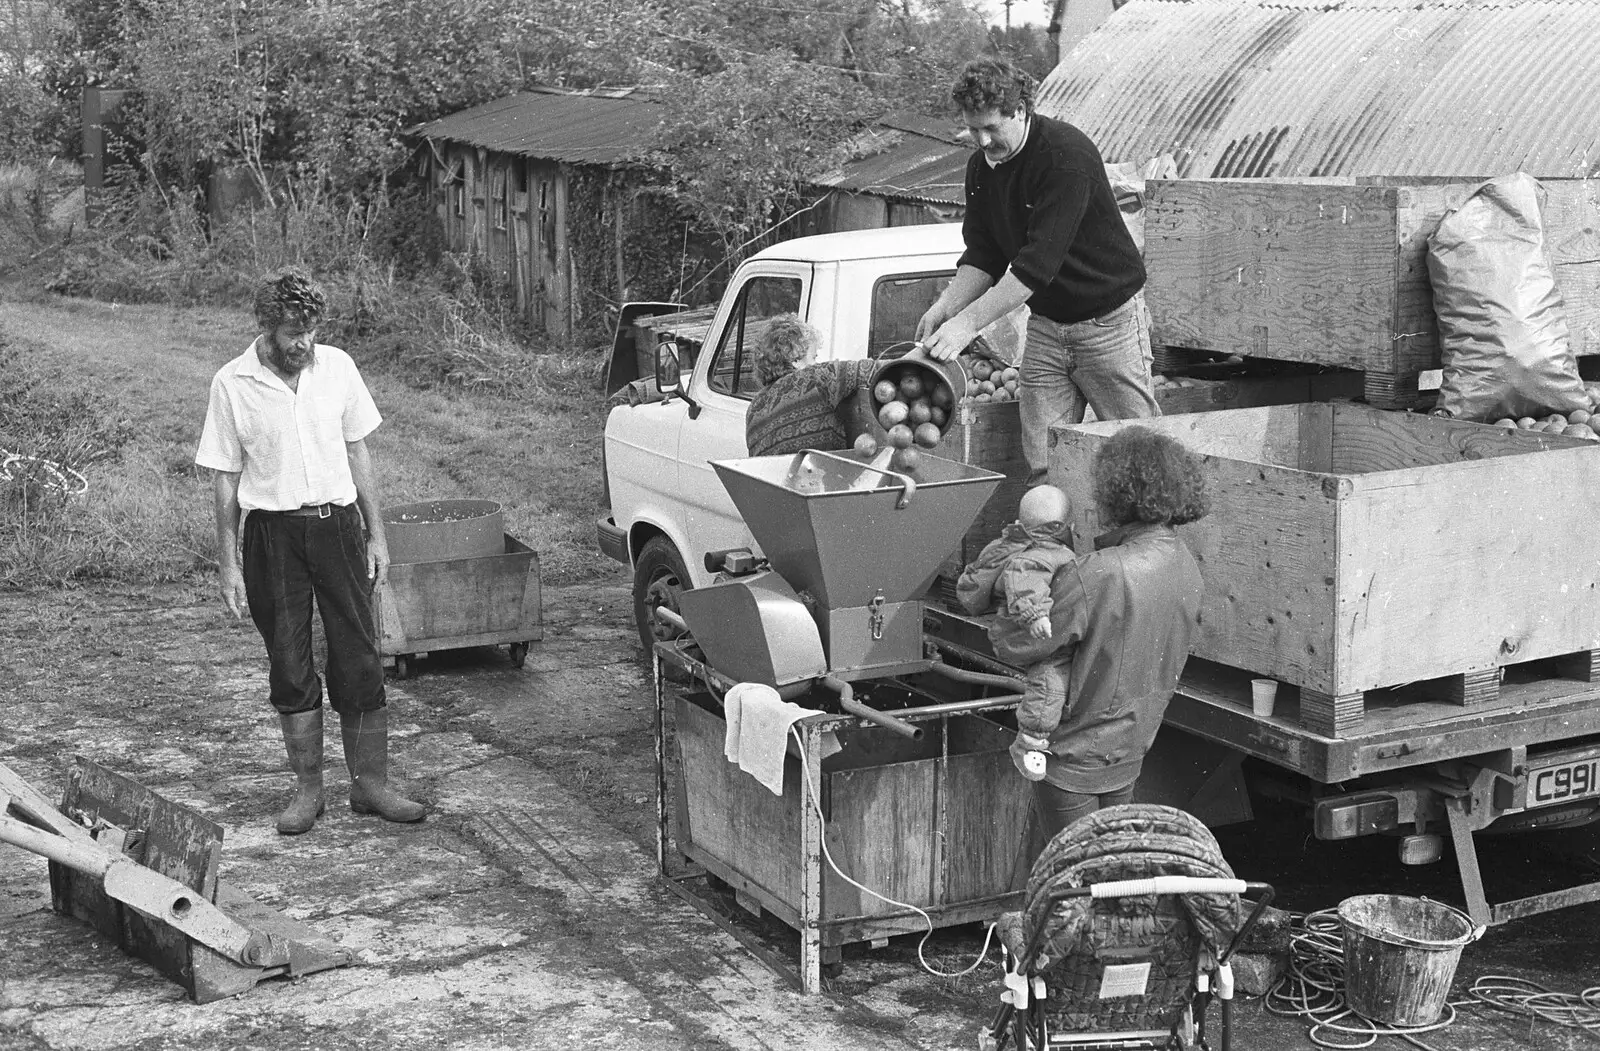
(939, 823)
(1333, 271)
(1350, 549)
(687, 327)
(485, 600)
(989, 435)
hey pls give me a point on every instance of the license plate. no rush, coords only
(1564, 782)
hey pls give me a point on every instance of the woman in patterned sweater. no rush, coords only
(805, 404)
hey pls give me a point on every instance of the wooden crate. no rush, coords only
(454, 603)
(939, 823)
(1332, 271)
(175, 842)
(687, 328)
(1351, 549)
(989, 435)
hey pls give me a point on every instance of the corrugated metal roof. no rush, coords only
(599, 127)
(905, 165)
(909, 157)
(1251, 88)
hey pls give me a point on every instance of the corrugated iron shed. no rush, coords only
(577, 127)
(907, 157)
(1253, 88)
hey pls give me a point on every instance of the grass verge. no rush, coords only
(146, 515)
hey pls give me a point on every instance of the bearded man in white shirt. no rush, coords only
(298, 520)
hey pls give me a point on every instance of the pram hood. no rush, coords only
(1134, 841)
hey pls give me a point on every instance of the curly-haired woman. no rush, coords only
(1125, 613)
(805, 404)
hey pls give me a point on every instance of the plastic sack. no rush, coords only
(1502, 325)
(1127, 184)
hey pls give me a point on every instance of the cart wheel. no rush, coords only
(519, 653)
(402, 666)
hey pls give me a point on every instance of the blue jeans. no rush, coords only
(290, 560)
(1059, 808)
(1103, 363)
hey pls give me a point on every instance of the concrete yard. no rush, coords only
(525, 912)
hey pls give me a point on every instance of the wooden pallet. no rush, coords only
(1338, 715)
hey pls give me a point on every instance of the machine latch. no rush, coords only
(875, 616)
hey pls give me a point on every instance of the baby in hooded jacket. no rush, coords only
(1013, 575)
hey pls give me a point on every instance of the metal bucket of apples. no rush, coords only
(915, 397)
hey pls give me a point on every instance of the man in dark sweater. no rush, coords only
(1042, 227)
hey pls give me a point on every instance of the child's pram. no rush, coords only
(1128, 922)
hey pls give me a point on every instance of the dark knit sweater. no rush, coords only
(1049, 214)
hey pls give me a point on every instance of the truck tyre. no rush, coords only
(658, 576)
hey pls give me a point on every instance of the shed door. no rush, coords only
(544, 273)
(522, 280)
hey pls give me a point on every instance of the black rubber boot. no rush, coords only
(366, 752)
(302, 736)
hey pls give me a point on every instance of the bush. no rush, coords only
(445, 322)
(45, 414)
(52, 429)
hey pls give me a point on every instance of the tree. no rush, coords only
(745, 144)
(206, 72)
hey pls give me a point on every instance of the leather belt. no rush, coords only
(311, 511)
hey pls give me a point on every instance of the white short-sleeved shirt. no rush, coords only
(289, 445)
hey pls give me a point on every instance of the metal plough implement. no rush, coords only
(144, 872)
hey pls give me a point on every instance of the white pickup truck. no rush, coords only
(863, 290)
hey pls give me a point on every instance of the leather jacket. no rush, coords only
(1128, 610)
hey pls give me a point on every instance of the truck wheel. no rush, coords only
(658, 576)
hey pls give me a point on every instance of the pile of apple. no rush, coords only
(987, 379)
(1579, 423)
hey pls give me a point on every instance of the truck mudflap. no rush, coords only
(612, 539)
(1503, 792)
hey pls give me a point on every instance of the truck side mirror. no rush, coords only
(669, 375)
(669, 372)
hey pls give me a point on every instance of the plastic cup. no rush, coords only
(1263, 694)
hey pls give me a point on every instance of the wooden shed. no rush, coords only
(541, 186)
(550, 190)
(909, 169)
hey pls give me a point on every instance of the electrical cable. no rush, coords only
(46, 473)
(1521, 996)
(811, 793)
(1313, 990)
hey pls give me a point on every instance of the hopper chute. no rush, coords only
(845, 533)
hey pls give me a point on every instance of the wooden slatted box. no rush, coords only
(1351, 549)
(989, 435)
(939, 823)
(1333, 271)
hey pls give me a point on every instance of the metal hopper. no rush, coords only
(843, 541)
(860, 545)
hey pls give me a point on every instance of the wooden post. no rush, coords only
(617, 239)
(563, 267)
(811, 860)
